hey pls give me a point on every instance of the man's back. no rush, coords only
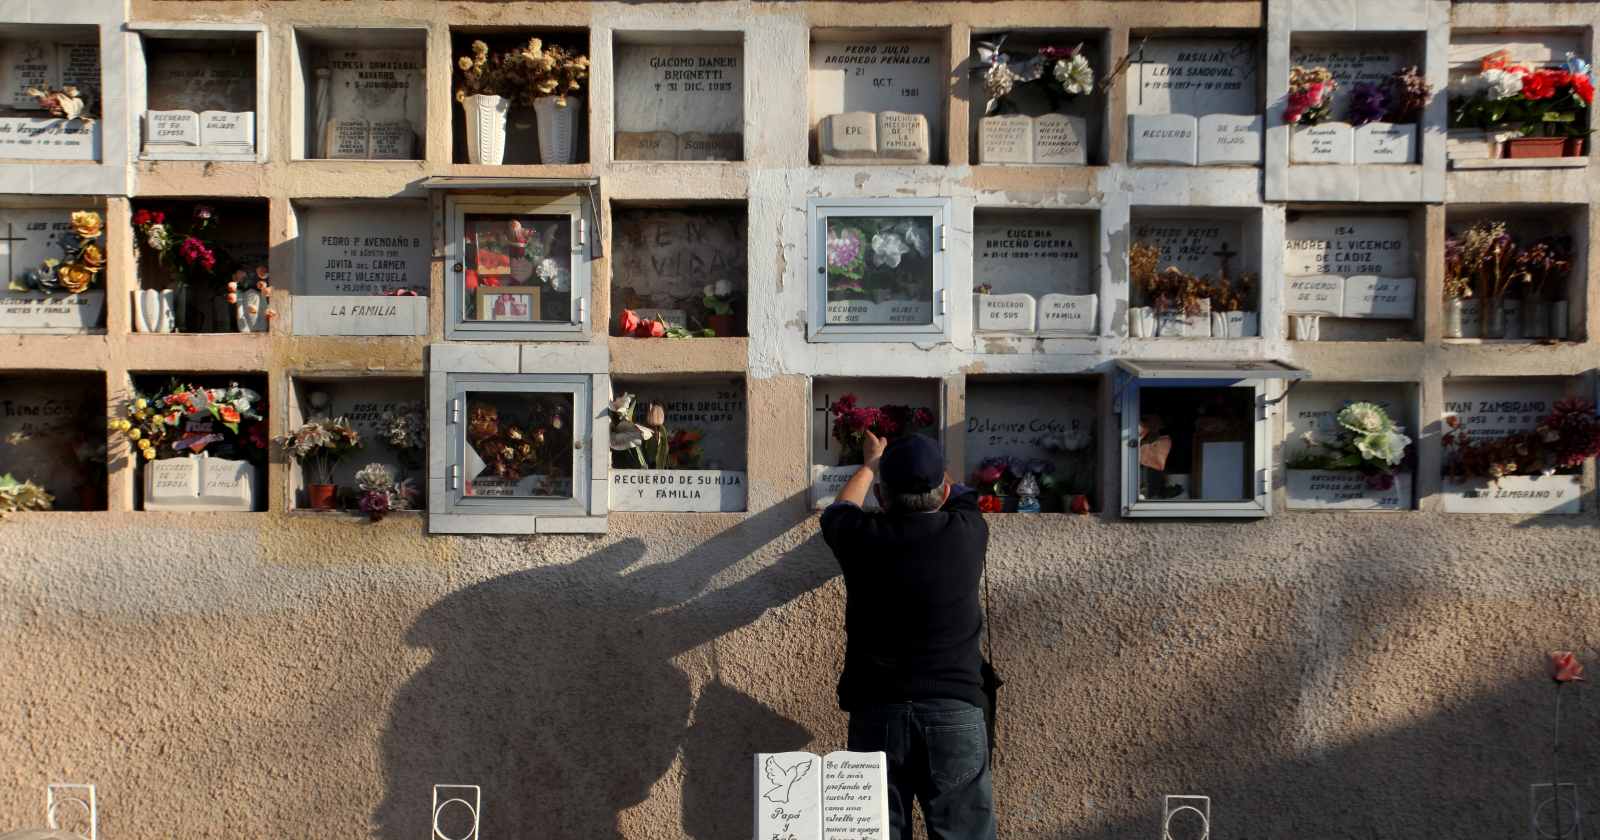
(913, 615)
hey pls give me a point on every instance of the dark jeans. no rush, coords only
(938, 754)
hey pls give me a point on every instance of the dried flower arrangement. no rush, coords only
(523, 74)
(1486, 259)
(1563, 440)
(18, 496)
(1172, 290)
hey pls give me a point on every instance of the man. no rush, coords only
(913, 678)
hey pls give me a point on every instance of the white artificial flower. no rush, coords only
(1388, 447)
(626, 435)
(622, 404)
(375, 476)
(1502, 84)
(1364, 418)
(709, 290)
(724, 287)
(1075, 74)
(997, 83)
(887, 249)
(550, 272)
(912, 233)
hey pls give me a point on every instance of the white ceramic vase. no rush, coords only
(1306, 327)
(486, 128)
(1142, 322)
(152, 310)
(557, 125)
(250, 313)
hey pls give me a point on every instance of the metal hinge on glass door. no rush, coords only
(944, 301)
(582, 238)
(455, 476)
(941, 237)
(455, 410)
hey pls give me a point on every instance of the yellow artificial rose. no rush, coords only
(92, 258)
(149, 454)
(141, 404)
(74, 277)
(464, 63)
(87, 224)
(134, 434)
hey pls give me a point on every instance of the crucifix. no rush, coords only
(826, 402)
(11, 251)
(1223, 256)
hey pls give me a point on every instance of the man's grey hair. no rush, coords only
(917, 502)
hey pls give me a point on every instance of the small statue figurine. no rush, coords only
(1028, 494)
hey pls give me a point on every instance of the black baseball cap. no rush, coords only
(912, 464)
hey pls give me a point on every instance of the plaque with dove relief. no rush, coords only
(839, 796)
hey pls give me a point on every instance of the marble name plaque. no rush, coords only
(1060, 140)
(1006, 139)
(688, 491)
(869, 75)
(1170, 139)
(1366, 296)
(1195, 76)
(826, 482)
(1068, 314)
(1495, 409)
(1229, 140)
(37, 312)
(1035, 253)
(378, 87)
(199, 483)
(1314, 294)
(680, 88)
(29, 138)
(1196, 245)
(1347, 245)
(1543, 494)
(1382, 142)
(1004, 313)
(360, 315)
(363, 140)
(1344, 490)
(1332, 142)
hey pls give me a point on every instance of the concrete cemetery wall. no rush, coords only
(290, 674)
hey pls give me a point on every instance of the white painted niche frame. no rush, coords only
(1264, 380)
(819, 211)
(578, 370)
(575, 203)
(139, 81)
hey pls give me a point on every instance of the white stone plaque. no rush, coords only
(1036, 253)
(37, 312)
(199, 482)
(360, 315)
(698, 145)
(1230, 139)
(1314, 294)
(1068, 314)
(26, 63)
(1344, 490)
(1347, 245)
(377, 87)
(1557, 494)
(1005, 313)
(1490, 409)
(1195, 76)
(1382, 142)
(228, 128)
(826, 482)
(692, 491)
(680, 88)
(646, 145)
(865, 312)
(1060, 140)
(848, 138)
(1163, 139)
(1235, 324)
(26, 138)
(1330, 142)
(855, 800)
(348, 139)
(1006, 139)
(1367, 296)
(171, 128)
(1196, 245)
(356, 258)
(902, 137)
(873, 76)
(788, 796)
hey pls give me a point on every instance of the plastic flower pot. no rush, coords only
(1535, 147)
(1574, 147)
(322, 496)
(486, 128)
(725, 326)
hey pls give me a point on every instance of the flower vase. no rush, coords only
(1574, 147)
(486, 128)
(1558, 320)
(1452, 318)
(1142, 322)
(1494, 318)
(322, 496)
(557, 125)
(250, 313)
(153, 310)
(1306, 327)
(723, 325)
(1513, 318)
(1535, 319)
(1535, 147)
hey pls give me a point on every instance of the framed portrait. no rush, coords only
(508, 303)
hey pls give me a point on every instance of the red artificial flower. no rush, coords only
(1496, 60)
(141, 218)
(1539, 85)
(228, 413)
(988, 475)
(990, 504)
(652, 329)
(628, 321)
(1564, 667)
(489, 281)
(471, 281)
(1080, 504)
(1583, 88)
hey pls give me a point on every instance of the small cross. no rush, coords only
(11, 252)
(1224, 255)
(826, 402)
(1141, 62)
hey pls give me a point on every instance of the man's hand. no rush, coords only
(872, 447)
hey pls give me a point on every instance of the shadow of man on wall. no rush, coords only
(555, 690)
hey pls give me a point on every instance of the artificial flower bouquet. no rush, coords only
(879, 259)
(640, 438)
(630, 324)
(1366, 440)
(1061, 482)
(1310, 97)
(66, 102)
(1561, 442)
(319, 445)
(381, 493)
(404, 429)
(185, 419)
(522, 74)
(536, 444)
(1399, 98)
(851, 421)
(82, 259)
(510, 253)
(1548, 102)
(1059, 72)
(18, 496)
(190, 254)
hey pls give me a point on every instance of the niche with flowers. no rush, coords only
(1515, 446)
(1037, 97)
(844, 409)
(1352, 277)
(364, 268)
(1515, 273)
(202, 267)
(1519, 96)
(880, 270)
(678, 272)
(57, 263)
(1030, 443)
(51, 107)
(1194, 276)
(52, 441)
(518, 268)
(356, 445)
(1356, 102)
(1350, 446)
(198, 441)
(678, 445)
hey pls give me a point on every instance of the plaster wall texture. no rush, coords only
(289, 674)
